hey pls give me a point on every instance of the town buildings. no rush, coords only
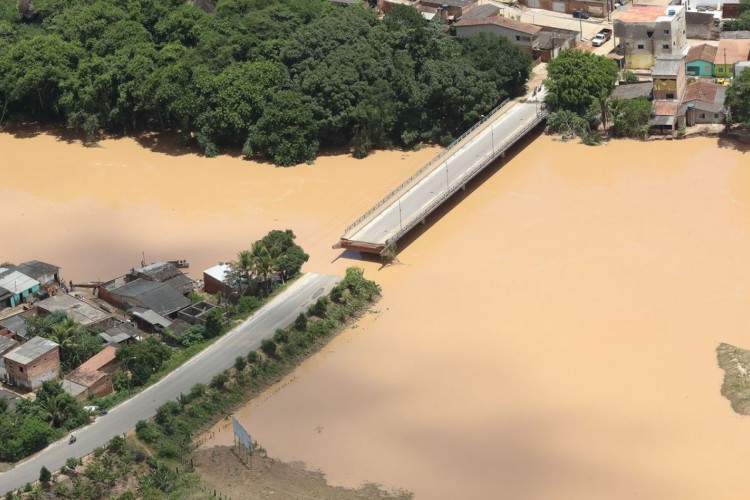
(33, 363)
(669, 77)
(648, 31)
(700, 60)
(524, 36)
(80, 311)
(596, 8)
(728, 53)
(703, 103)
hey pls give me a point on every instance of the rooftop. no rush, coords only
(504, 22)
(734, 35)
(89, 373)
(82, 312)
(702, 52)
(665, 108)
(31, 350)
(159, 271)
(16, 324)
(6, 344)
(151, 317)
(119, 333)
(481, 11)
(632, 90)
(218, 272)
(701, 91)
(449, 3)
(641, 13)
(16, 281)
(667, 65)
(36, 268)
(161, 297)
(729, 51)
(181, 282)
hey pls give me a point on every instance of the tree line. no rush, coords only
(280, 79)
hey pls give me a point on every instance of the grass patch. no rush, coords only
(736, 387)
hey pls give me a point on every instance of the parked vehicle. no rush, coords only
(601, 37)
(580, 14)
(723, 81)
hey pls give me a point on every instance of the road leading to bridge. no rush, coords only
(380, 228)
(278, 313)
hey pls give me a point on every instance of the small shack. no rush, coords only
(215, 280)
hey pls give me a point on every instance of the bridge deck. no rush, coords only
(452, 169)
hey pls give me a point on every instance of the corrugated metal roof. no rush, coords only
(31, 350)
(152, 318)
(82, 312)
(662, 120)
(17, 282)
(667, 65)
(219, 272)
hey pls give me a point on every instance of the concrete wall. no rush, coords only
(596, 8)
(523, 41)
(642, 42)
(697, 116)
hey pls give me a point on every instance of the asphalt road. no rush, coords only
(278, 313)
(409, 205)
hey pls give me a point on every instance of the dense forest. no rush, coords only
(279, 78)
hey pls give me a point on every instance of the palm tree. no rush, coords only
(64, 333)
(265, 262)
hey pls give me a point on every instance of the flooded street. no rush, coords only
(552, 335)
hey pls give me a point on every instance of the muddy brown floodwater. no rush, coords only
(553, 335)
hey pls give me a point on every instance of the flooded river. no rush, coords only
(552, 335)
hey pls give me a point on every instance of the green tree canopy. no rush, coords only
(578, 79)
(738, 99)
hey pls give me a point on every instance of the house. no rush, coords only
(522, 35)
(633, 90)
(728, 53)
(150, 320)
(45, 274)
(7, 344)
(553, 40)
(669, 77)
(14, 327)
(164, 272)
(94, 377)
(33, 363)
(700, 60)
(702, 103)
(648, 31)
(214, 280)
(664, 117)
(701, 25)
(80, 311)
(730, 9)
(120, 333)
(596, 8)
(481, 12)
(740, 67)
(162, 298)
(16, 287)
(454, 8)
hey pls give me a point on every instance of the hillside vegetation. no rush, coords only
(281, 79)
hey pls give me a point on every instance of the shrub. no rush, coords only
(337, 293)
(169, 450)
(269, 347)
(253, 357)
(194, 335)
(214, 323)
(197, 391)
(248, 304)
(320, 307)
(301, 323)
(27, 488)
(71, 463)
(146, 432)
(116, 445)
(240, 363)
(281, 336)
(45, 475)
(220, 380)
(630, 77)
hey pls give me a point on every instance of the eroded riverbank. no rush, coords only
(553, 335)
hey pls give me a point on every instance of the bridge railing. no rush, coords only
(426, 167)
(468, 175)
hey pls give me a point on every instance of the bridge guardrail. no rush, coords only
(541, 114)
(425, 167)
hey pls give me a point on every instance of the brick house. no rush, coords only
(37, 361)
(94, 377)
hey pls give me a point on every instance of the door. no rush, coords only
(558, 6)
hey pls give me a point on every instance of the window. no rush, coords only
(518, 38)
(716, 116)
(703, 115)
(665, 46)
(670, 96)
(666, 32)
(640, 46)
(20, 368)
